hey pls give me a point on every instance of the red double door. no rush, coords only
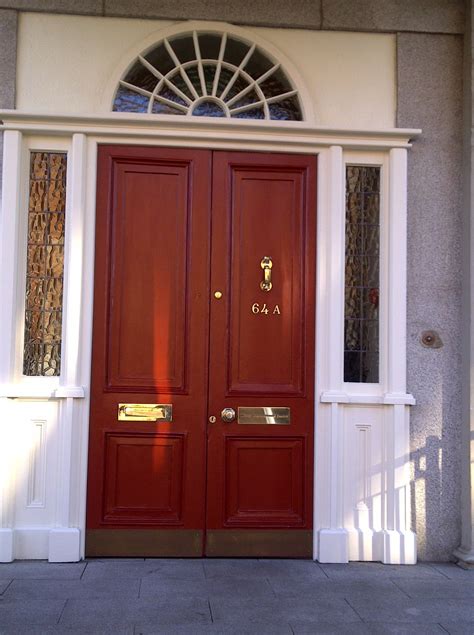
(202, 399)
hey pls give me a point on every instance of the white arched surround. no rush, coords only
(219, 28)
(361, 486)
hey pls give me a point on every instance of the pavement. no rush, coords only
(233, 596)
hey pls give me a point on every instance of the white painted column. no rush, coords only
(64, 540)
(398, 541)
(333, 540)
(9, 221)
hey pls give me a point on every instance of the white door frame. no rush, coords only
(44, 422)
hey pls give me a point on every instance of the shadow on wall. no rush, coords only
(432, 505)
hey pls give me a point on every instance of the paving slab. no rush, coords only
(181, 569)
(414, 610)
(72, 589)
(36, 612)
(442, 589)
(30, 629)
(291, 569)
(255, 628)
(225, 568)
(282, 610)
(160, 613)
(39, 570)
(363, 628)
(458, 628)
(4, 585)
(453, 572)
(327, 588)
(371, 570)
(160, 587)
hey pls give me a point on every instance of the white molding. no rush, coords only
(39, 390)
(333, 546)
(64, 545)
(336, 259)
(9, 237)
(334, 396)
(397, 272)
(6, 545)
(291, 136)
(73, 259)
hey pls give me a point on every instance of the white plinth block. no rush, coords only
(64, 545)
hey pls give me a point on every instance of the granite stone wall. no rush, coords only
(429, 77)
(430, 97)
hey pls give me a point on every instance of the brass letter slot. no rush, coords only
(145, 412)
(266, 415)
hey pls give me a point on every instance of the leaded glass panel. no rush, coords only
(362, 274)
(45, 264)
(176, 77)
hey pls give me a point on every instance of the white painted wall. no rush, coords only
(65, 65)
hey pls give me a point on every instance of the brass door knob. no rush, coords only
(228, 415)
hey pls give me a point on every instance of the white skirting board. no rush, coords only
(39, 543)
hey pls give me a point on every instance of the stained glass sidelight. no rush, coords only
(45, 264)
(208, 75)
(362, 274)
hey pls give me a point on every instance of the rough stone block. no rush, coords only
(81, 7)
(429, 16)
(8, 35)
(299, 13)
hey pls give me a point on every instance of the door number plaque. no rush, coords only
(263, 309)
(145, 412)
(266, 415)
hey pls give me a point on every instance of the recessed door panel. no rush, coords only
(148, 289)
(265, 336)
(201, 433)
(155, 461)
(265, 481)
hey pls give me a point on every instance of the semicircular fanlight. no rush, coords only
(208, 75)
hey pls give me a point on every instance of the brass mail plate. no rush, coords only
(266, 415)
(145, 412)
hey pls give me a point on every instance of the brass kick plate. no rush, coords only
(266, 415)
(145, 412)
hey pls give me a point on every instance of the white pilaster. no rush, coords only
(398, 542)
(64, 540)
(9, 221)
(333, 541)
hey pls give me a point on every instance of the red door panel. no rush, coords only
(147, 478)
(261, 354)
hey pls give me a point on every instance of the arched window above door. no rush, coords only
(208, 74)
